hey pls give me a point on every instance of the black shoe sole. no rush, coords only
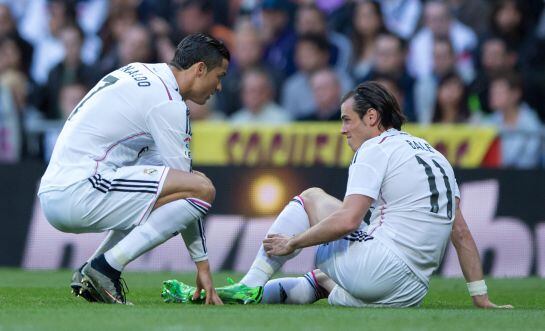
(79, 291)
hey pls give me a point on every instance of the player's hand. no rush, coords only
(204, 282)
(482, 301)
(278, 244)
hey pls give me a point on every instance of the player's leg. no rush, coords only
(319, 205)
(303, 211)
(181, 185)
(368, 274)
(296, 290)
(184, 199)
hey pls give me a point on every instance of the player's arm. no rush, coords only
(470, 262)
(169, 127)
(365, 177)
(342, 222)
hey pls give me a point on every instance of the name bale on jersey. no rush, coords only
(418, 145)
(138, 76)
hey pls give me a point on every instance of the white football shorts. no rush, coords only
(368, 274)
(112, 200)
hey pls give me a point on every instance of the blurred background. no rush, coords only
(469, 74)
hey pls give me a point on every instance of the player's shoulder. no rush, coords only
(155, 80)
(386, 140)
(370, 149)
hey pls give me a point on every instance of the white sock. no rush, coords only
(163, 223)
(296, 291)
(113, 237)
(291, 221)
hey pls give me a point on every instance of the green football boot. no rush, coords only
(237, 293)
(178, 292)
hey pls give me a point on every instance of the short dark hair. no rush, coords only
(512, 78)
(204, 6)
(371, 94)
(313, 7)
(401, 43)
(200, 47)
(319, 41)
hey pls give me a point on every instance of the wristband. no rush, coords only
(477, 288)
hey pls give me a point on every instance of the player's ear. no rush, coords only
(200, 69)
(372, 116)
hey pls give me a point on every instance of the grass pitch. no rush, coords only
(42, 301)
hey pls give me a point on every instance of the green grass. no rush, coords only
(41, 301)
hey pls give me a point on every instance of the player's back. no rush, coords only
(108, 128)
(416, 204)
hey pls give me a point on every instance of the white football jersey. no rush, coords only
(133, 116)
(414, 190)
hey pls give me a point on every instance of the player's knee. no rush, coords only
(206, 191)
(312, 194)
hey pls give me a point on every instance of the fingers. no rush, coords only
(212, 298)
(274, 235)
(268, 248)
(505, 307)
(197, 293)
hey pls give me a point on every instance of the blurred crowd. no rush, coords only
(452, 61)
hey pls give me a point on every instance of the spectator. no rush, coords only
(8, 29)
(69, 96)
(49, 50)
(473, 13)
(194, 16)
(312, 54)
(121, 16)
(278, 35)
(452, 101)
(508, 22)
(389, 60)
(10, 127)
(11, 74)
(401, 16)
(518, 124)
(33, 17)
(512, 21)
(496, 57)
(257, 100)
(13, 108)
(367, 24)
(326, 89)
(247, 53)
(70, 70)
(438, 23)
(311, 20)
(444, 62)
(135, 46)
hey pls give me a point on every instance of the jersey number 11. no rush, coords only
(434, 198)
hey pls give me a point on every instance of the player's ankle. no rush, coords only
(100, 264)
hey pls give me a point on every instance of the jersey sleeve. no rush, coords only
(367, 172)
(168, 125)
(456, 190)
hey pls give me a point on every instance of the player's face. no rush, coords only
(353, 127)
(358, 130)
(209, 82)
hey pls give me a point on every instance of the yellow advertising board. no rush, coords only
(310, 144)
